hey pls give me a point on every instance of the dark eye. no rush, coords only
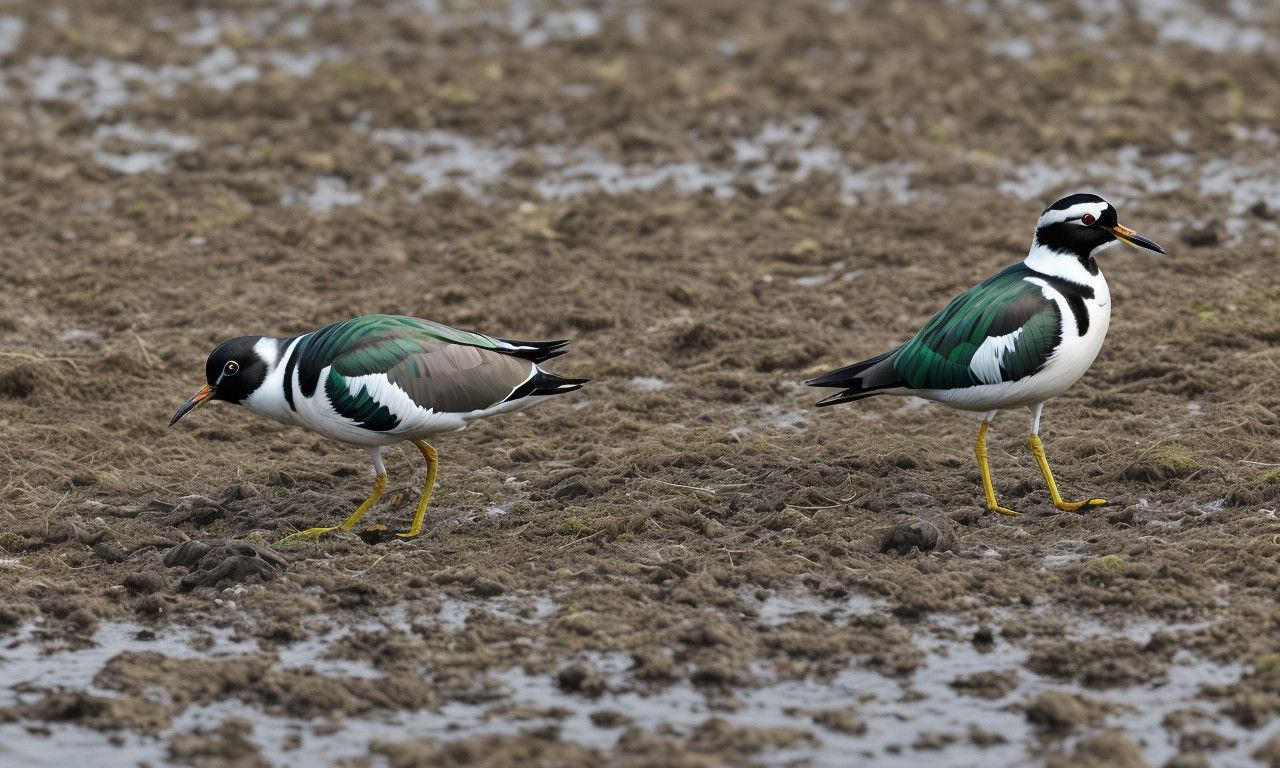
(1087, 218)
(231, 368)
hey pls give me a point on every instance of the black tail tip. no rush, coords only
(545, 385)
(566, 385)
(832, 379)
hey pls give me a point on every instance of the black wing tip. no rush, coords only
(537, 351)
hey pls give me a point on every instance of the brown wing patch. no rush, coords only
(458, 379)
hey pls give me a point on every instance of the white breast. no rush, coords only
(1074, 355)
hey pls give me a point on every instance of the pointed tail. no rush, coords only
(543, 384)
(859, 380)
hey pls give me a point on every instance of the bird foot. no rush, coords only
(1004, 511)
(1073, 506)
(376, 534)
(311, 534)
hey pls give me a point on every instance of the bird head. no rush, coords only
(1080, 225)
(234, 370)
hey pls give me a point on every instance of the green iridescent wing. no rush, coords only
(379, 343)
(437, 367)
(942, 355)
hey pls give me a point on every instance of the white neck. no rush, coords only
(268, 399)
(1064, 265)
(269, 350)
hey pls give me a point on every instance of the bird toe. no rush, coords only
(1075, 506)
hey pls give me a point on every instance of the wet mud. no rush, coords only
(685, 563)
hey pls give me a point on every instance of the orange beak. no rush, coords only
(1126, 235)
(206, 392)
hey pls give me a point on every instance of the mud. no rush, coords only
(685, 563)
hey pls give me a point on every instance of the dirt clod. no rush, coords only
(1109, 750)
(212, 561)
(920, 534)
(1061, 712)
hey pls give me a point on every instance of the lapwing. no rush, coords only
(380, 380)
(1019, 338)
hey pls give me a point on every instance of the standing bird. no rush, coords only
(1020, 337)
(380, 380)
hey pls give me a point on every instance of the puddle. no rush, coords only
(1069, 551)
(837, 271)
(11, 30)
(778, 418)
(1129, 179)
(536, 24)
(647, 384)
(921, 709)
(327, 193)
(776, 609)
(454, 613)
(1230, 27)
(160, 146)
(782, 153)
(234, 47)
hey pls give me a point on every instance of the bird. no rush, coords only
(1019, 338)
(379, 380)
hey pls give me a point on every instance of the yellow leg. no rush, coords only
(433, 460)
(311, 534)
(1037, 450)
(980, 448)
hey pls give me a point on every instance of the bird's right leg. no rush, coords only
(980, 448)
(379, 487)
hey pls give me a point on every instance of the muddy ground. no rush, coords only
(685, 563)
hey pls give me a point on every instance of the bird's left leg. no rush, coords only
(1037, 450)
(379, 487)
(433, 461)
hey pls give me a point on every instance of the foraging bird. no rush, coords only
(380, 380)
(1020, 337)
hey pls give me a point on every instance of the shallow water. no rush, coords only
(897, 712)
(785, 151)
